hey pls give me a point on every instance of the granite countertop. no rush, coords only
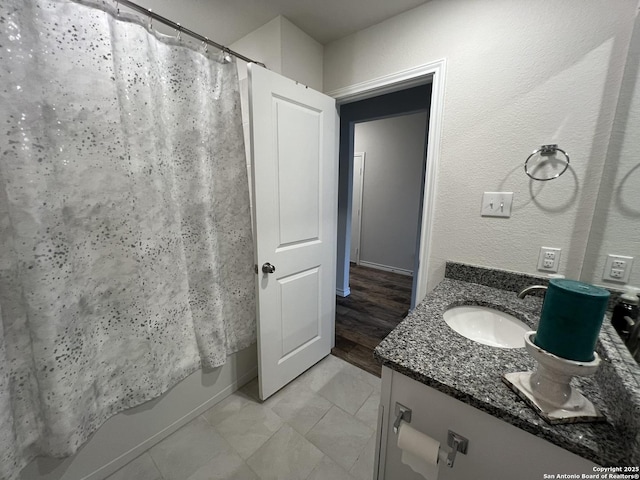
(424, 347)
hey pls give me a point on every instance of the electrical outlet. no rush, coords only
(618, 264)
(617, 273)
(617, 268)
(549, 259)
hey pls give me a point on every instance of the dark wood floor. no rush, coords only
(378, 302)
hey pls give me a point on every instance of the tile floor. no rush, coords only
(320, 427)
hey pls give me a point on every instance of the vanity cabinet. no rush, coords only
(497, 450)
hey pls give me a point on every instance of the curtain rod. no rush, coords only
(149, 13)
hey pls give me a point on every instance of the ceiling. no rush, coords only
(324, 20)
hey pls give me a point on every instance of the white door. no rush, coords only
(294, 149)
(356, 206)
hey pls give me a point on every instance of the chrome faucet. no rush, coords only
(531, 289)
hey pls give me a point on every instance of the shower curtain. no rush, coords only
(126, 257)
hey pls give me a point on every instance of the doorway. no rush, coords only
(389, 131)
(356, 207)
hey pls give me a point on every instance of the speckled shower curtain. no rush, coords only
(126, 253)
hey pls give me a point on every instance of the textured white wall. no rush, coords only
(519, 74)
(391, 195)
(285, 49)
(616, 222)
(302, 56)
(195, 15)
(262, 45)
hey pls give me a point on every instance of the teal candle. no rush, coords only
(571, 318)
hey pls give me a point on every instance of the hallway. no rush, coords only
(378, 302)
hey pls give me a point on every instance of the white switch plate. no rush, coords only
(549, 259)
(617, 268)
(496, 204)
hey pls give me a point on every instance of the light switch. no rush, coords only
(496, 204)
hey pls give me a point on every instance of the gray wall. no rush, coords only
(394, 150)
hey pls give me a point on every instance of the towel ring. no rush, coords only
(546, 151)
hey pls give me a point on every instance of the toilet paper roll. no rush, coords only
(419, 451)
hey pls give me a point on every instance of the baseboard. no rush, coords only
(138, 450)
(386, 268)
(343, 292)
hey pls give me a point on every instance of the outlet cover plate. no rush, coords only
(496, 204)
(549, 259)
(617, 268)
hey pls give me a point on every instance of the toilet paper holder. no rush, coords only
(457, 442)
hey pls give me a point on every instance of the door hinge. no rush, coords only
(255, 268)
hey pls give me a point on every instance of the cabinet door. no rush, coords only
(497, 450)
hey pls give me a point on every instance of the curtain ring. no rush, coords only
(205, 44)
(226, 56)
(117, 8)
(179, 32)
(150, 26)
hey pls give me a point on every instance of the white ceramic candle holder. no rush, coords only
(548, 389)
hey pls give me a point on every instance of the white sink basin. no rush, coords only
(487, 326)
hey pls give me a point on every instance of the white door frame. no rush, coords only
(358, 224)
(399, 81)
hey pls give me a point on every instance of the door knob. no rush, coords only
(268, 268)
